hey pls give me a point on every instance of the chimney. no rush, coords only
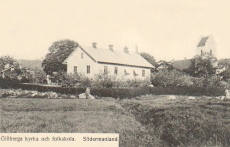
(126, 49)
(94, 45)
(111, 47)
(185, 58)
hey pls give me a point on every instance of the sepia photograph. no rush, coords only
(155, 73)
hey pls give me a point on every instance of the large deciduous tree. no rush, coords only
(10, 67)
(202, 65)
(58, 52)
(149, 58)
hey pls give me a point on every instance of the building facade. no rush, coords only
(92, 60)
(205, 45)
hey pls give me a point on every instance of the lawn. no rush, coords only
(141, 121)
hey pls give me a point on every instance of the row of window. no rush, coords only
(202, 52)
(115, 71)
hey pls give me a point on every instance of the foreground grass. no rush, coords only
(72, 116)
(183, 122)
(142, 121)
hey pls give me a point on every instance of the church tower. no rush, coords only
(206, 44)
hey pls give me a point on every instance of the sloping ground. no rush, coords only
(182, 122)
(23, 115)
(147, 121)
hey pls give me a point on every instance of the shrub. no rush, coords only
(104, 80)
(173, 77)
(207, 81)
(184, 125)
(39, 76)
(122, 92)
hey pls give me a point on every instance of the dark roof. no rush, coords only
(182, 64)
(32, 64)
(202, 41)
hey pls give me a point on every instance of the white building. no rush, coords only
(93, 60)
(206, 44)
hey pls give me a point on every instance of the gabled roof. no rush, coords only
(114, 57)
(202, 41)
(182, 64)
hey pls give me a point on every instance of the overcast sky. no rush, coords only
(166, 29)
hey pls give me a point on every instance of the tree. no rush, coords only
(202, 65)
(164, 65)
(11, 67)
(58, 52)
(224, 68)
(149, 58)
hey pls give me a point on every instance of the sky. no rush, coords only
(166, 29)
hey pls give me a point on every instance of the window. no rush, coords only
(201, 52)
(88, 69)
(125, 72)
(115, 70)
(143, 73)
(75, 68)
(211, 52)
(105, 69)
(134, 73)
(82, 55)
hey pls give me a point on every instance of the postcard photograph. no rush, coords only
(157, 73)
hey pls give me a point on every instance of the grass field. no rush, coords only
(142, 121)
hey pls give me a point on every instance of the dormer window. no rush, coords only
(126, 73)
(134, 73)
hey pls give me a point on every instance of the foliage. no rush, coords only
(58, 52)
(166, 77)
(202, 65)
(184, 125)
(149, 58)
(14, 69)
(224, 67)
(105, 80)
(122, 92)
(6, 60)
(38, 76)
(164, 65)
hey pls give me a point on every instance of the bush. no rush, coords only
(168, 77)
(174, 77)
(100, 80)
(184, 125)
(207, 81)
(39, 76)
(122, 92)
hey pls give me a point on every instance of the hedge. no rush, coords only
(121, 92)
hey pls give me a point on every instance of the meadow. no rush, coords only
(143, 121)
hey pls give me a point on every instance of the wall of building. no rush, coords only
(121, 71)
(75, 59)
(210, 45)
